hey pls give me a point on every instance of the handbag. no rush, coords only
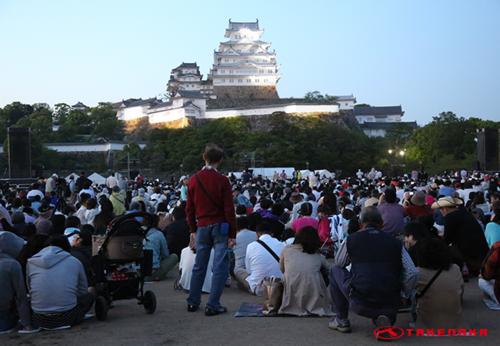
(273, 287)
(273, 294)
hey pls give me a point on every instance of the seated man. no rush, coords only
(372, 287)
(177, 232)
(163, 261)
(259, 261)
(58, 286)
(243, 238)
(463, 233)
(242, 199)
(489, 279)
(12, 284)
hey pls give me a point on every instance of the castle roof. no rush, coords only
(134, 103)
(79, 105)
(386, 125)
(189, 94)
(246, 42)
(162, 104)
(186, 65)
(234, 26)
(391, 110)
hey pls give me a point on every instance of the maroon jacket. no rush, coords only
(200, 209)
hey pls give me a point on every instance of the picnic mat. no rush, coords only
(255, 310)
(491, 304)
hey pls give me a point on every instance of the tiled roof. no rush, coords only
(162, 104)
(386, 126)
(243, 25)
(78, 105)
(246, 42)
(190, 94)
(392, 110)
(186, 65)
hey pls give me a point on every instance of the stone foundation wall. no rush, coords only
(249, 92)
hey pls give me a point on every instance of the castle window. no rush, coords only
(256, 81)
(240, 80)
(231, 81)
(249, 81)
(261, 71)
(231, 71)
(223, 81)
(265, 80)
(223, 71)
(269, 71)
(226, 60)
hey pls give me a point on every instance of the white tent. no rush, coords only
(324, 172)
(97, 179)
(305, 173)
(75, 176)
(268, 172)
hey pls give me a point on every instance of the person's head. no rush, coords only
(254, 219)
(296, 197)
(106, 206)
(266, 203)
(179, 213)
(348, 212)
(447, 205)
(18, 217)
(241, 210)
(390, 196)
(116, 189)
(309, 239)
(434, 254)
(495, 196)
(287, 234)
(68, 210)
(236, 192)
(26, 202)
(353, 225)
(370, 217)
(86, 185)
(157, 190)
(495, 206)
(374, 193)
(478, 198)
(242, 223)
(414, 232)
(35, 243)
(36, 186)
(37, 198)
(91, 203)
(73, 222)
(162, 208)
(264, 228)
(135, 206)
(58, 224)
(83, 198)
(214, 153)
(306, 209)
(17, 203)
(59, 241)
(28, 230)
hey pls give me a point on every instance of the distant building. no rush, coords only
(187, 77)
(133, 109)
(346, 102)
(79, 106)
(243, 66)
(375, 121)
(183, 104)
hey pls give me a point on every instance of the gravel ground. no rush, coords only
(171, 324)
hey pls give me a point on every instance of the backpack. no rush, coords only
(338, 228)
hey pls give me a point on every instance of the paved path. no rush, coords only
(128, 324)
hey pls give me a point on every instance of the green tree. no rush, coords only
(106, 125)
(61, 112)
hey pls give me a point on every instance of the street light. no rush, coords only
(402, 153)
(390, 151)
(307, 163)
(181, 168)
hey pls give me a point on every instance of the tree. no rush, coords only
(61, 113)
(315, 96)
(399, 133)
(362, 105)
(105, 124)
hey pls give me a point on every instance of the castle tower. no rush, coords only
(243, 67)
(187, 77)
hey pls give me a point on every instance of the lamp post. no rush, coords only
(307, 164)
(181, 168)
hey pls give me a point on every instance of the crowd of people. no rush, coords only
(369, 243)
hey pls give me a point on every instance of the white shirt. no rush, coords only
(260, 263)
(400, 194)
(111, 182)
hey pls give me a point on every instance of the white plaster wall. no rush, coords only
(268, 110)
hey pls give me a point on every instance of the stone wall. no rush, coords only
(249, 92)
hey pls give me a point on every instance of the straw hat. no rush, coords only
(445, 202)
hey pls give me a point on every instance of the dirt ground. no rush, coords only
(171, 324)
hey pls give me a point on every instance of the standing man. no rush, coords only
(51, 184)
(111, 181)
(283, 175)
(212, 223)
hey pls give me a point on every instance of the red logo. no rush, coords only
(388, 333)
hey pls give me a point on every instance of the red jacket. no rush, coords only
(200, 209)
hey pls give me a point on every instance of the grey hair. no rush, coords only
(371, 215)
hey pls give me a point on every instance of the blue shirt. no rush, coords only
(156, 241)
(492, 233)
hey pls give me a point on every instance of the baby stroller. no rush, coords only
(121, 265)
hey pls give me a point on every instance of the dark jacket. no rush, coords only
(376, 268)
(177, 235)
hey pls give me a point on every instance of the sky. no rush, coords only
(427, 56)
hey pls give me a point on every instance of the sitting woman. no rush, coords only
(163, 261)
(304, 290)
(492, 232)
(440, 306)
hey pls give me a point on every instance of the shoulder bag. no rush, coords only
(273, 287)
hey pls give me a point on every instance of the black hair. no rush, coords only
(264, 228)
(179, 213)
(434, 254)
(72, 222)
(68, 209)
(416, 229)
(353, 225)
(253, 220)
(242, 223)
(58, 222)
(59, 241)
(309, 239)
(214, 152)
(241, 210)
(287, 234)
(86, 237)
(390, 195)
(266, 203)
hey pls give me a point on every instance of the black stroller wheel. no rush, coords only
(149, 302)
(101, 308)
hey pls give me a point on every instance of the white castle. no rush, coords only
(243, 68)
(244, 59)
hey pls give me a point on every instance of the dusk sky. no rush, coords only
(428, 56)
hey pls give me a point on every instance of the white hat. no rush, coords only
(55, 175)
(182, 178)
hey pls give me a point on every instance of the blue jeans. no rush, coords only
(209, 237)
